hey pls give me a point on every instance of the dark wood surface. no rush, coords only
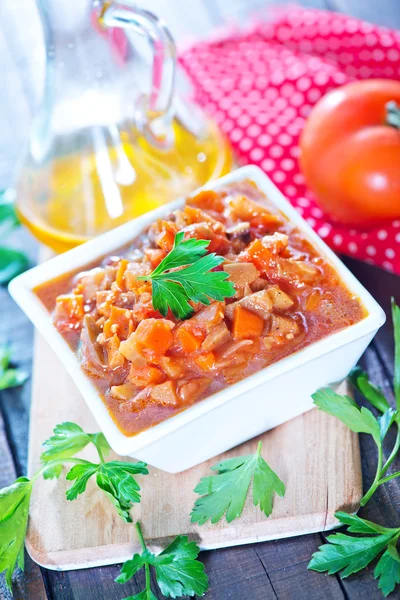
(271, 570)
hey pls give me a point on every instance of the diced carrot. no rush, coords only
(209, 200)
(119, 278)
(118, 322)
(165, 240)
(196, 215)
(206, 361)
(259, 255)
(246, 324)
(188, 340)
(147, 375)
(155, 335)
(165, 393)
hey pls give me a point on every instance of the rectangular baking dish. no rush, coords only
(245, 409)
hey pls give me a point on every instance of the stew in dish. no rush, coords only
(147, 366)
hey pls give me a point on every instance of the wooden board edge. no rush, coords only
(67, 560)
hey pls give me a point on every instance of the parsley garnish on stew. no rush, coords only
(186, 274)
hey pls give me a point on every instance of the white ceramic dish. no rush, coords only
(243, 410)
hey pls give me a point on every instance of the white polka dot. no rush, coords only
(300, 210)
(290, 190)
(285, 139)
(353, 247)
(303, 202)
(337, 239)
(303, 84)
(382, 234)
(324, 231)
(393, 55)
(276, 151)
(387, 265)
(295, 151)
(297, 99)
(268, 164)
(243, 121)
(371, 250)
(278, 176)
(390, 253)
(254, 130)
(236, 135)
(397, 238)
(264, 140)
(287, 164)
(299, 178)
(234, 112)
(317, 212)
(313, 95)
(312, 222)
(396, 223)
(245, 144)
(273, 129)
(256, 154)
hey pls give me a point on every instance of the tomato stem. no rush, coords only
(393, 114)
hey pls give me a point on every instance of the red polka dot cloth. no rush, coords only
(260, 85)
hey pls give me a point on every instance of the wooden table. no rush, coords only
(257, 572)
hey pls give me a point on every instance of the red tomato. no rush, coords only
(350, 155)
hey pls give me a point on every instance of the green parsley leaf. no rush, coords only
(178, 573)
(8, 216)
(386, 421)
(14, 508)
(68, 440)
(174, 287)
(371, 392)
(81, 474)
(226, 492)
(388, 570)
(9, 377)
(184, 252)
(396, 330)
(348, 554)
(5, 357)
(358, 525)
(12, 378)
(182, 575)
(115, 479)
(345, 408)
(12, 263)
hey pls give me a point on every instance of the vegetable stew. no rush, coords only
(149, 366)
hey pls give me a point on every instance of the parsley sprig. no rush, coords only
(226, 492)
(186, 274)
(362, 420)
(9, 377)
(349, 554)
(178, 573)
(12, 261)
(115, 478)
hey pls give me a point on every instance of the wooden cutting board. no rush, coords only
(315, 455)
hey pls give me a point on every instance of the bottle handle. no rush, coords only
(154, 112)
